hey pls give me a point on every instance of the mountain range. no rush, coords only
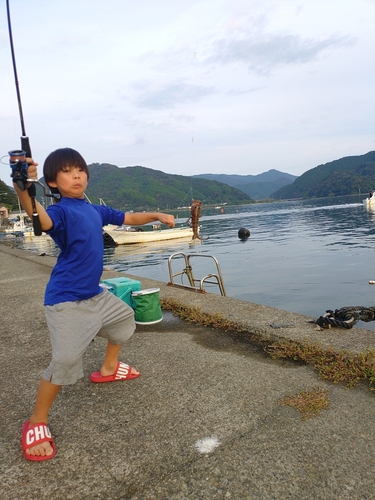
(141, 188)
(258, 187)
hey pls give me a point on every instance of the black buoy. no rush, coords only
(243, 233)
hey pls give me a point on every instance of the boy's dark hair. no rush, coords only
(59, 159)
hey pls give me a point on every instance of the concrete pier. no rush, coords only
(204, 420)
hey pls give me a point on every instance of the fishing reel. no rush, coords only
(19, 166)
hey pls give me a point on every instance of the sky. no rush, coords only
(191, 87)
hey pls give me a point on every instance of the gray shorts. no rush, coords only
(73, 325)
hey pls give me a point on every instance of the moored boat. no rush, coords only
(29, 234)
(18, 228)
(125, 235)
(369, 203)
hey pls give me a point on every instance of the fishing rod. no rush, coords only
(17, 158)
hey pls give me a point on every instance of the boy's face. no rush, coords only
(71, 182)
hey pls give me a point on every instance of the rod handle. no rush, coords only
(25, 144)
(36, 225)
(36, 221)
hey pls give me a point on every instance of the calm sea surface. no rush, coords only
(302, 256)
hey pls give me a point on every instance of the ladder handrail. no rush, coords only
(188, 271)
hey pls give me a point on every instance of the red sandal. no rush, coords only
(33, 435)
(123, 372)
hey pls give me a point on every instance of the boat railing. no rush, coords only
(195, 284)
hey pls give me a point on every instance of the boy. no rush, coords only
(76, 307)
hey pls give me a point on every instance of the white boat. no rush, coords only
(18, 228)
(29, 234)
(125, 235)
(369, 203)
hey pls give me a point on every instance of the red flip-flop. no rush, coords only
(33, 435)
(123, 372)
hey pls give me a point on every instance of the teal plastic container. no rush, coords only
(122, 288)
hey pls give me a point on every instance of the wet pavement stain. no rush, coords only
(240, 343)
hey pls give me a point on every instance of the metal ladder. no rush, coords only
(195, 284)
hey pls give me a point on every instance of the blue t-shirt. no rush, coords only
(77, 231)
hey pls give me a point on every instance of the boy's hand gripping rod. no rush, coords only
(18, 158)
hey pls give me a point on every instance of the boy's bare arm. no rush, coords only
(138, 219)
(24, 197)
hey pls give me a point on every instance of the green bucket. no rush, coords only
(146, 305)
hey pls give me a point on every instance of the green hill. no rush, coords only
(349, 175)
(141, 188)
(8, 197)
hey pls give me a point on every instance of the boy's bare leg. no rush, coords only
(47, 393)
(111, 360)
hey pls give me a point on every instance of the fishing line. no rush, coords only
(193, 131)
(193, 79)
(25, 144)
(189, 194)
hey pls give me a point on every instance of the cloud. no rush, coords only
(172, 94)
(257, 84)
(184, 117)
(241, 92)
(262, 53)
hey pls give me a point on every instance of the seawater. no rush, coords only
(303, 256)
